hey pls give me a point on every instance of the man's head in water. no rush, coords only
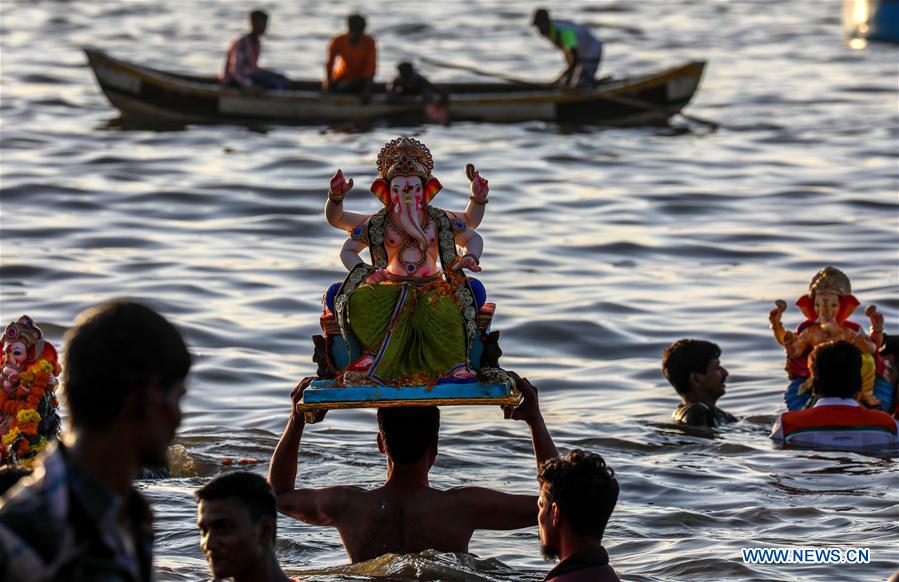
(837, 369)
(577, 496)
(694, 369)
(258, 22)
(237, 518)
(409, 434)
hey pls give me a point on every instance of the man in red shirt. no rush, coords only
(242, 63)
(837, 420)
(350, 67)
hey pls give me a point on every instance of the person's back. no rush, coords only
(404, 518)
(406, 514)
(577, 37)
(837, 420)
(837, 423)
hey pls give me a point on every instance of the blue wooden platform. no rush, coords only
(325, 394)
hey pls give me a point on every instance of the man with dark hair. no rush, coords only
(237, 517)
(583, 51)
(694, 368)
(352, 60)
(406, 514)
(836, 420)
(79, 517)
(242, 68)
(577, 496)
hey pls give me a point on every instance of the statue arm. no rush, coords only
(473, 214)
(864, 344)
(774, 316)
(477, 202)
(797, 345)
(341, 219)
(876, 318)
(471, 241)
(349, 254)
(334, 213)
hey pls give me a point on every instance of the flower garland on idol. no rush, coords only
(28, 404)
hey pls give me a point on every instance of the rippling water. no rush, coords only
(602, 246)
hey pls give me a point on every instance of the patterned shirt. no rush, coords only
(60, 524)
(242, 60)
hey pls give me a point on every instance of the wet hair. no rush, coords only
(584, 488)
(408, 432)
(405, 69)
(116, 349)
(837, 369)
(356, 23)
(541, 15)
(257, 15)
(684, 357)
(249, 490)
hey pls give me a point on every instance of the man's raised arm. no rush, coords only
(529, 411)
(313, 506)
(489, 509)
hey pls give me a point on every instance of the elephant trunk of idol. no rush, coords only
(406, 213)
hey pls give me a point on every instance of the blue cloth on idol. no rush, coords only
(793, 399)
(480, 293)
(883, 391)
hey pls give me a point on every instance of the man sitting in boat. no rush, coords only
(836, 420)
(694, 368)
(352, 57)
(410, 83)
(583, 51)
(241, 65)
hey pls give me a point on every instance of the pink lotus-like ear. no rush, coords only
(381, 189)
(432, 187)
(807, 306)
(848, 304)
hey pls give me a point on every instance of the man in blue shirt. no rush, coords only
(583, 51)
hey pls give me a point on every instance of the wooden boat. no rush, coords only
(149, 94)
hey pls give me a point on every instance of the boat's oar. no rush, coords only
(639, 103)
(478, 71)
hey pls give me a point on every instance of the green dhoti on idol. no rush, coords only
(411, 313)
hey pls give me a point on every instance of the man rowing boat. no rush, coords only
(583, 51)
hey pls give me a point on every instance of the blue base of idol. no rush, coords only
(326, 391)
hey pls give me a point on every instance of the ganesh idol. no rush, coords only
(28, 405)
(827, 307)
(412, 312)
